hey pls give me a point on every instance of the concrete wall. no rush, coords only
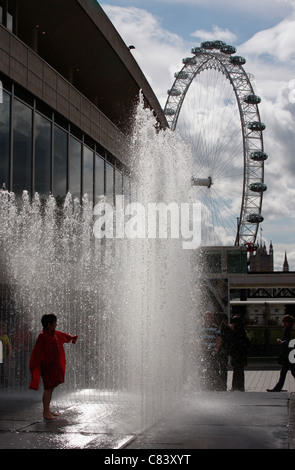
(26, 68)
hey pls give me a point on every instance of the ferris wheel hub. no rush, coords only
(202, 181)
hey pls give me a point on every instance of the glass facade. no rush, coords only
(236, 261)
(60, 152)
(99, 177)
(88, 166)
(4, 139)
(22, 122)
(42, 155)
(8, 14)
(110, 183)
(41, 152)
(75, 159)
(119, 182)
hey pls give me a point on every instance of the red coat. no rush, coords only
(48, 359)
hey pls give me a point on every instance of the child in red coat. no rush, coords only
(48, 360)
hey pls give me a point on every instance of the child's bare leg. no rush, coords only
(47, 394)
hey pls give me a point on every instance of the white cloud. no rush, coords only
(276, 42)
(216, 33)
(158, 52)
(270, 57)
(254, 8)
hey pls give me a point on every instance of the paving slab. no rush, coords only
(222, 420)
(211, 420)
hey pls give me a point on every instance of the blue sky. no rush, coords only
(185, 16)
(164, 31)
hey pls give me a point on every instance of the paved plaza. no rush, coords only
(213, 420)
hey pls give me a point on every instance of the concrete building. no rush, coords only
(261, 298)
(68, 90)
(69, 85)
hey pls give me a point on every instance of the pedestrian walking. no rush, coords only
(223, 353)
(288, 322)
(238, 350)
(210, 344)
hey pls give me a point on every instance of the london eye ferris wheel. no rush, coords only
(213, 105)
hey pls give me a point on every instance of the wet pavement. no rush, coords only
(212, 420)
(226, 420)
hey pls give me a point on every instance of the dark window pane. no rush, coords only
(60, 163)
(119, 182)
(42, 155)
(22, 147)
(10, 14)
(88, 173)
(110, 183)
(213, 263)
(24, 95)
(236, 262)
(44, 109)
(133, 192)
(126, 189)
(75, 154)
(61, 121)
(4, 139)
(9, 21)
(99, 177)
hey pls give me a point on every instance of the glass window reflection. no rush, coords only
(88, 173)
(4, 139)
(42, 154)
(127, 192)
(118, 182)
(11, 7)
(9, 21)
(75, 155)
(60, 163)
(22, 147)
(39, 154)
(110, 183)
(99, 177)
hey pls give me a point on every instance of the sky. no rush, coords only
(263, 31)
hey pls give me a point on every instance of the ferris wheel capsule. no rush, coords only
(181, 75)
(254, 218)
(189, 60)
(258, 187)
(256, 126)
(174, 92)
(169, 112)
(252, 99)
(208, 45)
(197, 50)
(238, 60)
(228, 49)
(258, 156)
(219, 44)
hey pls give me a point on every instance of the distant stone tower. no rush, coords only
(261, 261)
(286, 264)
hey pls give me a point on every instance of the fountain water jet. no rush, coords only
(132, 302)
